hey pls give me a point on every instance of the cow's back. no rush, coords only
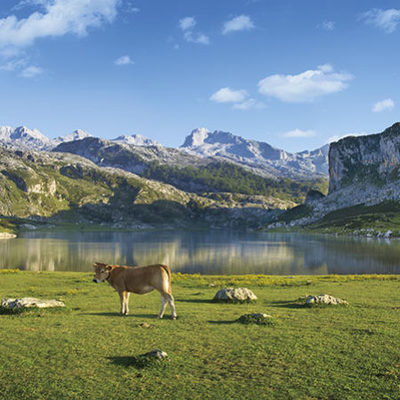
(141, 279)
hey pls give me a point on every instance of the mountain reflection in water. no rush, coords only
(213, 252)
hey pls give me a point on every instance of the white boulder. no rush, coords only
(324, 299)
(233, 295)
(29, 302)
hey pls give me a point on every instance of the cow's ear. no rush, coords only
(108, 267)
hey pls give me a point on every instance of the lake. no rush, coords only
(211, 252)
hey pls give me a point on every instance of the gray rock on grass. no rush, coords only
(29, 302)
(324, 299)
(158, 354)
(235, 295)
(256, 318)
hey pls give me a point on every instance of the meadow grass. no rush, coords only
(89, 351)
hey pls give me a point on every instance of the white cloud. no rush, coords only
(123, 60)
(31, 72)
(240, 23)
(387, 20)
(306, 86)
(196, 37)
(328, 25)
(187, 23)
(383, 105)
(227, 95)
(58, 18)
(299, 133)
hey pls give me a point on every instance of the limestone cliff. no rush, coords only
(370, 160)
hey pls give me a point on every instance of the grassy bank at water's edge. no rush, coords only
(88, 351)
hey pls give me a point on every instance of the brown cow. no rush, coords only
(140, 280)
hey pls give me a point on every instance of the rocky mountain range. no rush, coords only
(210, 172)
(199, 148)
(259, 155)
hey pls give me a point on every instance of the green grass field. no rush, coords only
(88, 351)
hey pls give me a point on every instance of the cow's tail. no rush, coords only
(168, 271)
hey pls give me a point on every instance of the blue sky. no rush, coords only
(292, 73)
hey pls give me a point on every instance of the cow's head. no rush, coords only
(101, 272)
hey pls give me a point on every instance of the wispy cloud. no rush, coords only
(327, 25)
(240, 23)
(123, 60)
(299, 133)
(387, 20)
(383, 105)
(249, 104)
(306, 86)
(13, 65)
(187, 25)
(56, 18)
(31, 71)
(228, 95)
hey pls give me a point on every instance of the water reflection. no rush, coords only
(216, 252)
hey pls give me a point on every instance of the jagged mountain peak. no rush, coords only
(24, 137)
(78, 134)
(196, 137)
(136, 140)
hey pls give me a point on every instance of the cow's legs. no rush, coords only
(124, 296)
(126, 301)
(167, 298)
(163, 304)
(172, 305)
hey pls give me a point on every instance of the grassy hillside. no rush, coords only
(227, 177)
(358, 219)
(60, 187)
(90, 352)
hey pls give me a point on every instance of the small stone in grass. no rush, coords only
(158, 354)
(256, 318)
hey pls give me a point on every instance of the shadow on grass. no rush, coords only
(104, 314)
(31, 311)
(222, 322)
(195, 301)
(138, 362)
(131, 315)
(288, 304)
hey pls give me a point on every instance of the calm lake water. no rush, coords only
(215, 252)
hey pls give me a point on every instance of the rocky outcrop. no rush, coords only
(371, 159)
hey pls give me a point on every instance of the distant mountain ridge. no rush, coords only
(202, 144)
(260, 155)
(23, 137)
(136, 140)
